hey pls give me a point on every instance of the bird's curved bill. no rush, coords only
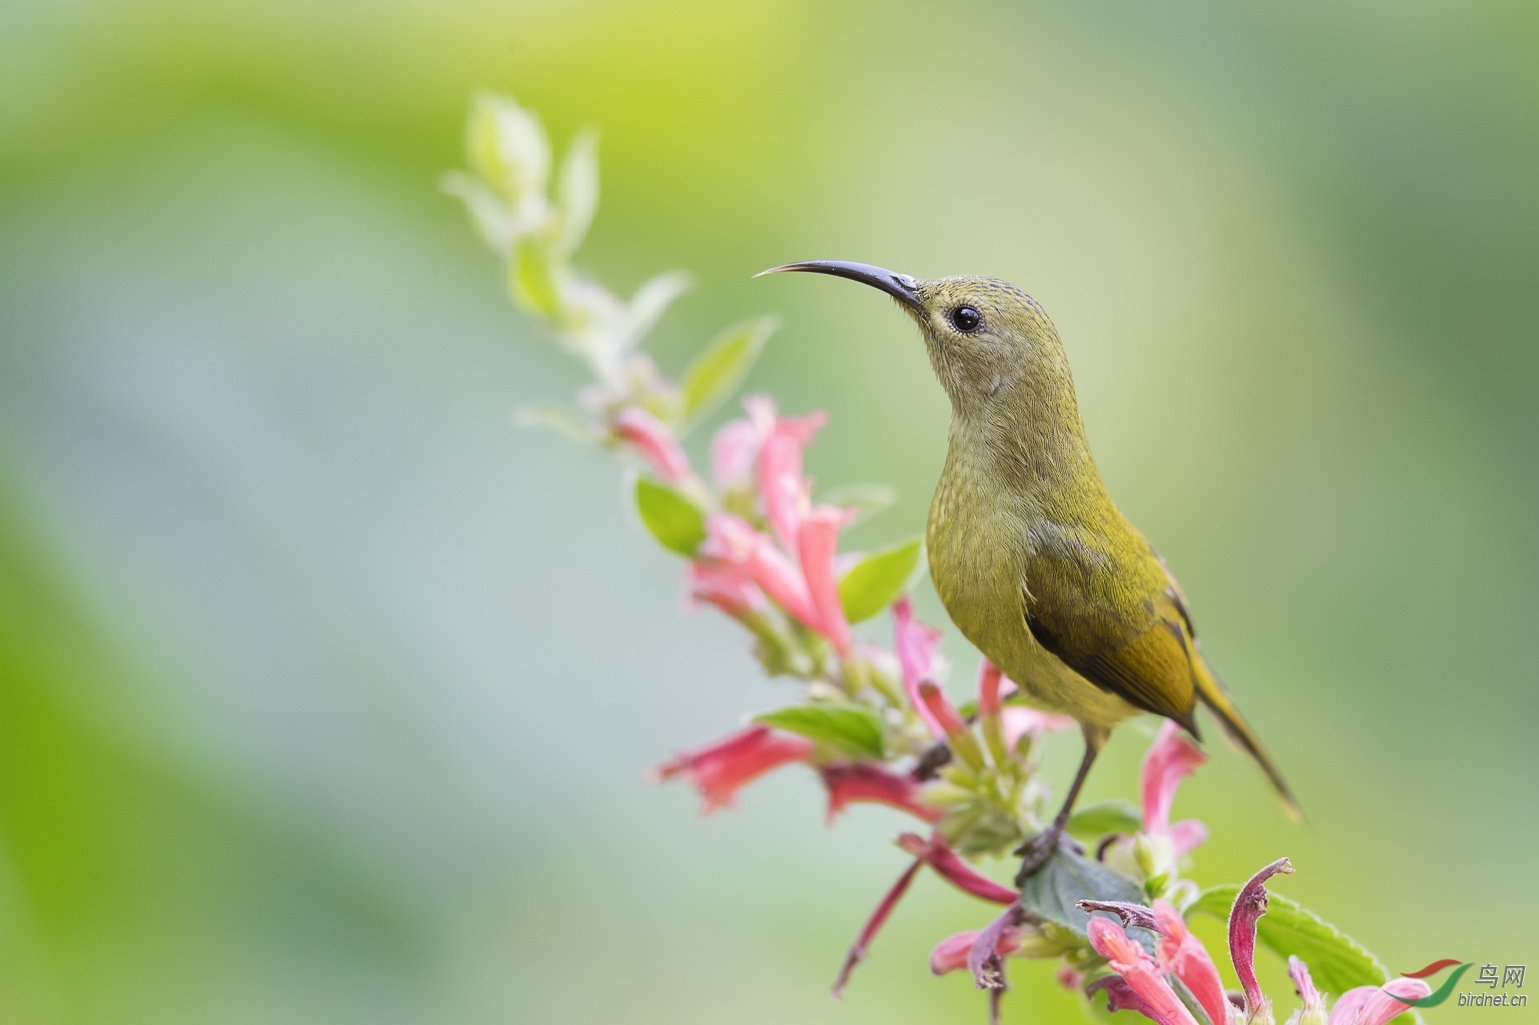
(900, 286)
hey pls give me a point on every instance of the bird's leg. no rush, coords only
(1035, 852)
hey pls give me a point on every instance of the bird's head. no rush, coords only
(990, 343)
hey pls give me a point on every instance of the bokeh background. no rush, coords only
(326, 692)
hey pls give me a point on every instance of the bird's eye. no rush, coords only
(965, 318)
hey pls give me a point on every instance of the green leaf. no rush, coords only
(867, 499)
(1106, 817)
(578, 190)
(676, 522)
(1336, 962)
(877, 580)
(1054, 889)
(534, 278)
(718, 371)
(853, 731)
(557, 418)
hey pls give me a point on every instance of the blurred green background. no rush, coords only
(326, 693)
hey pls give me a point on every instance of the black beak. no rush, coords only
(900, 286)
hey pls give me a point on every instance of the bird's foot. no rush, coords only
(1036, 851)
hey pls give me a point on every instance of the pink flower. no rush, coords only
(1171, 758)
(1376, 1005)
(782, 488)
(850, 784)
(961, 740)
(939, 855)
(1068, 978)
(1249, 906)
(735, 449)
(732, 543)
(728, 590)
(951, 953)
(1020, 721)
(873, 926)
(1313, 1012)
(916, 644)
(818, 546)
(654, 441)
(720, 769)
(1154, 997)
(1181, 952)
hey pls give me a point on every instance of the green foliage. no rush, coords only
(1106, 817)
(878, 579)
(558, 418)
(719, 371)
(534, 278)
(1054, 890)
(676, 522)
(1336, 962)
(578, 190)
(853, 731)
(867, 499)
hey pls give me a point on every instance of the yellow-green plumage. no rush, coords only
(1033, 561)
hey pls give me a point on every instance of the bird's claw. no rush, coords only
(1036, 852)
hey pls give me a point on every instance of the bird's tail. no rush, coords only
(1213, 694)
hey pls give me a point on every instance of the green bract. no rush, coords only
(853, 731)
(877, 580)
(676, 522)
(718, 371)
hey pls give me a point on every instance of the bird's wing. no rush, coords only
(1126, 632)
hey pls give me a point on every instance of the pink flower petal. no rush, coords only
(733, 452)
(1248, 908)
(718, 770)
(873, 926)
(1298, 971)
(782, 487)
(1181, 952)
(1170, 758)
(989, 678)
(1020, 721)
(1187, 835)
(1376, 1005)
(963, 744)
(731, 541)
(915, 644)
(953, 869)
(849, 784)
(1139, 971)
(654, 441)
(951, 953)
(730, 590)
(818, 546)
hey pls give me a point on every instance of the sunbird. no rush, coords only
(1034, 563)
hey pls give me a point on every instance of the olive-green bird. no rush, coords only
(1033, 562)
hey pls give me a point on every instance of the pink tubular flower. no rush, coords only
(1249, 906)
(1313, 1012)
(963, 744)
(939, 855)
(818, 547)
(732, 543)
(1182, 953)
(851, 784)
(720, 769)
(1376, 1005)
(653, 440)
(1155, 998)
(951, 953)
(730, 591)
(782, 487)
(873, 926)
(1171, 758)
(735, 449)
(1020, 721)
(915, 644)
